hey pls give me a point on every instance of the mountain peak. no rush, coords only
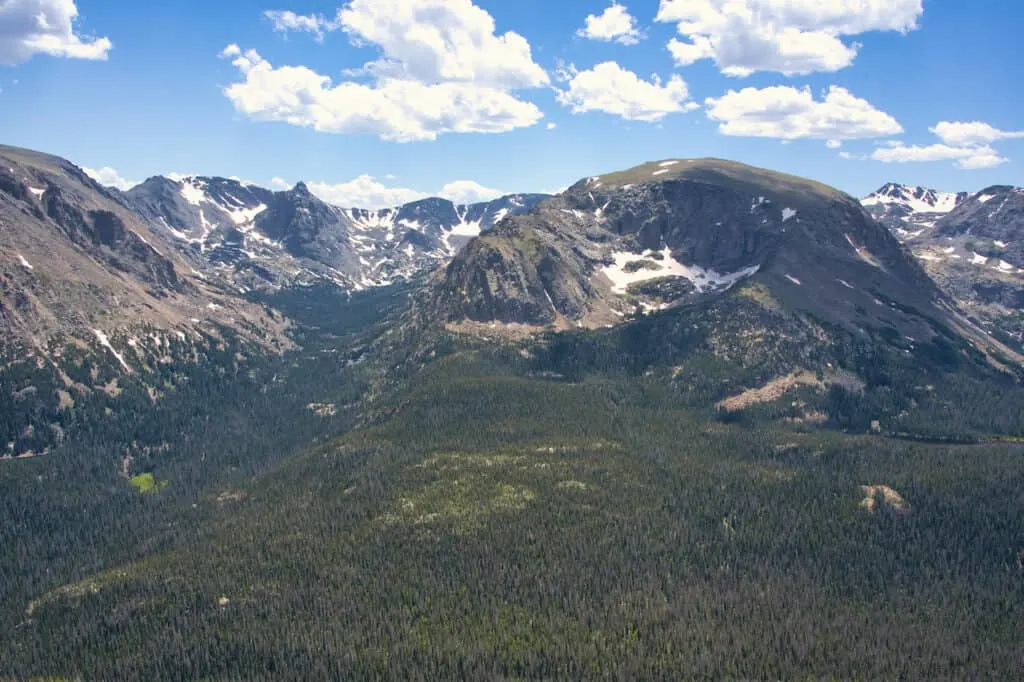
(914, 199)
(672, 233)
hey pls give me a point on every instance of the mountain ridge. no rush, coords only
(282, 238)
(973, 248)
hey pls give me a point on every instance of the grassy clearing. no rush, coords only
(146, 483)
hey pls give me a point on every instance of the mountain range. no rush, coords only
(259, 239)
(173, 268)
(688, 419)
(972, 245)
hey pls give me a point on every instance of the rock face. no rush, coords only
(260, 239)
(681, 232)
(973, 249)
(74, 259)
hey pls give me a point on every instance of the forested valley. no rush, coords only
(572, 507)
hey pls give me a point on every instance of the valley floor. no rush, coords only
(491, 526)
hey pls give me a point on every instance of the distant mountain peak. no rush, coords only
(915, 198)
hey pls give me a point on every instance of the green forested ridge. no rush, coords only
(570, 508)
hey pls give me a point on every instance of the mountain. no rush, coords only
(687, 232)
(92, 299)
(911, 211)
(260, 239)
(971, 244)
(692, 419)
(77, 259)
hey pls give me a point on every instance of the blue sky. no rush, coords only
(380, 101)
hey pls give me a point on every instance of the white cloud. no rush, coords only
(614, 90)
(286, 20)
(968, 144)
(973, 133)
(551, 126)
(834, 144)
(109, 177)
(789, 113)
(615, 24)
(393, 109)
(366, 191)
(968, 158)
(442, 69)
(434, 41)
(788, 36)
(30, 27)
(468, 192)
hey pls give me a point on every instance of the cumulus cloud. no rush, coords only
(111, 178)
(968, 158)
(468, 192)
(442, 69)
(441, 40)
(366, 191)
(967, 144)
(31, 27)
(792, 37)
(789, 113)
(393, 109)
(972, 133)
(615, 24)
(614, 90)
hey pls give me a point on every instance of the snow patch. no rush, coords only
(864, 254)
(984, 198)
(463, 228)
(178, 234)
(667, 164)
(1001, 245)
(846, 284)
(978, 259)
(660, 172)
(499, 216)
(244, 216)
(372, 220)
(788, 213)
(193, 191)
(703, 279)
(38, 191)
(105, 342)
(794, 280)
(24, 263)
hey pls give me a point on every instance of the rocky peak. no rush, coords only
(915, 199)
(675, 232)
